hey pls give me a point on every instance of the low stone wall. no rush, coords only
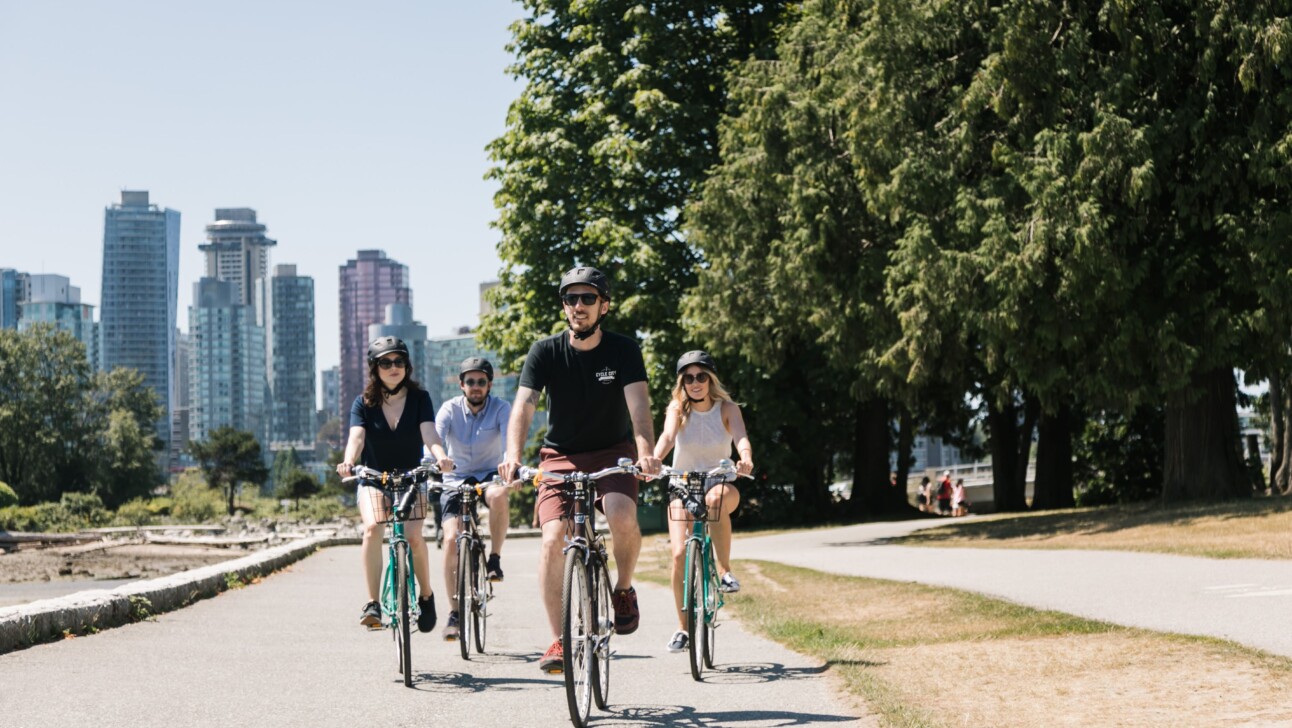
(28, 624)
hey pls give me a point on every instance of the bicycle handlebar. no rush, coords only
(416, 475)
(534, 475)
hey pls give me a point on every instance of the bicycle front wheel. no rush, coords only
(464, 600)
(604, 627)
(480, 588)
(693, 603)
(403, 629)
(712, 602)
(576, 616)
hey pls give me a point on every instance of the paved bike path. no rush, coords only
(289, 652)
(1233, 599)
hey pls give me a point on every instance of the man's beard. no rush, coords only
(589, 325)
(477, 400)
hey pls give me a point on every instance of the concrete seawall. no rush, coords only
(28, 624)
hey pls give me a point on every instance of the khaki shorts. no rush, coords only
(552, 505)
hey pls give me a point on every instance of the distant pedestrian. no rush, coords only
(959, 500)
(944, 494)
(924, 495)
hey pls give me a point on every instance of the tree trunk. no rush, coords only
(232, 488)
(905, 444)
(1002, 422)
(1283, 473)
(872, 492)
(1031, 413)
(1054, 461)
(1276, 432)
(1203, 454)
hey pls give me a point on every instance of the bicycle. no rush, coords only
(396, 498)
(701, 597)
(474, 589)
(586, 619)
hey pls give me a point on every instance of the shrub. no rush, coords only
(7, 496)
(86, 508)
(323, 508)
(134, 513)
(194, 501)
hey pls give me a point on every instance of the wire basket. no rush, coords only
(384, 501)
(694, 507)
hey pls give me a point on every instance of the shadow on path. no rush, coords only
(681, 715)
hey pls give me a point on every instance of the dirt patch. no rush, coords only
(134, 561)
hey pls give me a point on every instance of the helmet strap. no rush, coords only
(581, 335)
(392, 391)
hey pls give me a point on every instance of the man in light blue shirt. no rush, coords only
(473, 427)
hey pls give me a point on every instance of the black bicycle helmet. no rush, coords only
(696, 357)
(475, 364)
(383, 345)
(586, 276)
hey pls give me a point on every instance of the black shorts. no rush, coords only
(451, 502)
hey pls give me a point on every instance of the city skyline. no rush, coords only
(360, 129)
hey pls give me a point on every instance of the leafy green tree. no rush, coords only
(286, 464)
(126, 435)
(297, 484)
(615, 127)
(7, 496)
(229, 457)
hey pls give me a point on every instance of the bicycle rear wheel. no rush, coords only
(694, 606)
(576, 614)
(480, 588)
(603, 628)
(712, 601)
(464, 600)
(403, 630)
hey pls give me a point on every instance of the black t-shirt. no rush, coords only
(585, 390)
(393, 450)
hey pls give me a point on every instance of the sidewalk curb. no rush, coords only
(24, 625)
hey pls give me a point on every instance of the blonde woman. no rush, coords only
(703, 422)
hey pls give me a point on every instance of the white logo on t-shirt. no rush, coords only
(606, 376)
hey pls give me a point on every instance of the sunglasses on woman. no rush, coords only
(587, 299)
(396, 362)
(702, 378)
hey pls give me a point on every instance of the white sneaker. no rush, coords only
(728, 584)
(678, 643)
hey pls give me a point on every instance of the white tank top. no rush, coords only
(703, 441)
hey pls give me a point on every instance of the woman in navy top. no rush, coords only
(389, 424)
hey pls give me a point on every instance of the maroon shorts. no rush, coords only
(553, 505)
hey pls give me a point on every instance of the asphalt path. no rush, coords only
(1233, 599)
(289, 652)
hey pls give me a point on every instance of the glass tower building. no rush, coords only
(52, 299)
(140, 295)
(292, 366)
(228, 384)
(369, 283)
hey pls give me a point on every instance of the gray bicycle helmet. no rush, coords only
(586, 276)
(696, 357)
(383, 345)
(475, 364)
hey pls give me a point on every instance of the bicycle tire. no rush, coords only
(575, 613)
(712, 598)
(605, 623)
(464, 598)
(404, 635)
(480, 597)
(694, 606)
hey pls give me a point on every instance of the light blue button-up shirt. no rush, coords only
(475, 441)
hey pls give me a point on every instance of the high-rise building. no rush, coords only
(179, 430)
(13, 287)
(228, 386)
(140, 295)
(237, 251)
(330, 379)
(292, 366)
(399, 322)
(369, 283)
(52, 299)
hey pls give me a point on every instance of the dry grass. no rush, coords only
(925, 656)
(1260, 528)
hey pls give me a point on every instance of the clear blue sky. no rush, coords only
(346, 126)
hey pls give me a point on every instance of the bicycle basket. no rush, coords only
(694, 507)
(384, 502)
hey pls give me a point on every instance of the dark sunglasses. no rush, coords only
(702, 378)
(475, 382)
(587, 299)
(396, 362)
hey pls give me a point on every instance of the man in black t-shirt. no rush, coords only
(598, 412)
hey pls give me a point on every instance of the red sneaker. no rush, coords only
(554, 659)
